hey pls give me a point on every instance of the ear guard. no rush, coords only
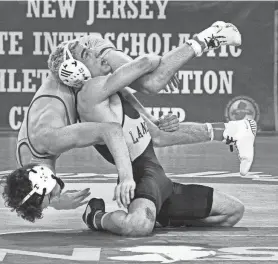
(43, 182)
(72, 72)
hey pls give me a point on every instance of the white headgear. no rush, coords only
(72, 72)
(43, 181)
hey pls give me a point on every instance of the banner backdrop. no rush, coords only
(228, 84)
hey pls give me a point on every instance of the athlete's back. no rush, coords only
(51, 97)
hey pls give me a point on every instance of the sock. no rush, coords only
(196, 45)
(201, 43)
(98, 220)
(216, 130)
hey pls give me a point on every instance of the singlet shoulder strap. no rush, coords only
(123, 109)
(77, 114)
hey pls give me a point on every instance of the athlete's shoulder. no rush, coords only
(51, 96)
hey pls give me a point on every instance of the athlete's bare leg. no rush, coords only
(139, 221)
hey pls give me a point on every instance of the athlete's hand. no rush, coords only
(70, 199)
(155, 132)
(124, 192)
(169, 123)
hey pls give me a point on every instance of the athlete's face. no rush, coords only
(91, 59)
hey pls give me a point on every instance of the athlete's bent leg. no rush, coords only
(198, 205)
(220, 33)
(139, 221)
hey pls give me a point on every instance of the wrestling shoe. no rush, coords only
(94, 205)
(218, 34)
(242, 135)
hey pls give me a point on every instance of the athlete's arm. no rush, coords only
(103, 87)
(55, 137)
(61, 139)
(157, 80)
(91, 133)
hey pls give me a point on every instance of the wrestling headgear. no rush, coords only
(43, 182)
(72, 72)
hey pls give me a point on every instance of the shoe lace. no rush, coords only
(212, 42)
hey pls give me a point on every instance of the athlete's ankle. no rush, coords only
(216, 130)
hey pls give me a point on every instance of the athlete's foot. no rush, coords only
(218, 34)
(227, 34)
(93, 207)
(242, 134)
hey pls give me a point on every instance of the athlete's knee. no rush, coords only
(139, 223)
(228, 207)
(236, 214)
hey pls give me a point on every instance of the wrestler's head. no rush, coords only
(73, 63)
(30, 189)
